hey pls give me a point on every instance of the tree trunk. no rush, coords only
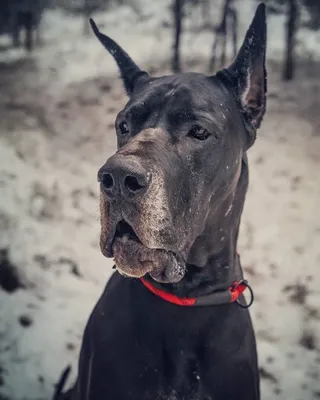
(212, 62)
(177, 16)
(292, 27)
(234, 28)
(223, 50)
(220, 37)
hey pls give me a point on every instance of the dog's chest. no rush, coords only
(141, 348)
(154, 365)
(174, 396)
(181, 372)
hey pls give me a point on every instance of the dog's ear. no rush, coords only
(247, 74)
(131, 74)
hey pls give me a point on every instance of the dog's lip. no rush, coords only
(107, 248)
(107, 245)
(122, 228)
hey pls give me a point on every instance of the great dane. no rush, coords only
(172, 321)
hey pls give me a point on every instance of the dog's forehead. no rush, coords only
(188, 91)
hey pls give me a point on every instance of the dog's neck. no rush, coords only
(213, 261)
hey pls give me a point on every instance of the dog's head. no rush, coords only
(181, 140)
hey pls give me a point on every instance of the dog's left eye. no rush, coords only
(198, 133)
(123, 128)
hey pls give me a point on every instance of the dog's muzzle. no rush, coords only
(136, 222)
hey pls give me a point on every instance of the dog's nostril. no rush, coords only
(107, 181)
(132, 183)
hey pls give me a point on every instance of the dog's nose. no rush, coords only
(121, 179)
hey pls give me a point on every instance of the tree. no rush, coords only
(228, 20)
(177, 17)
(313, 8)
(291, 31)
(292, 8)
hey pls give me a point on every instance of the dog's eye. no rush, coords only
(123, 128)
(198, 132)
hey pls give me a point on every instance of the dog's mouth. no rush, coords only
(124, 229)
(134, 259)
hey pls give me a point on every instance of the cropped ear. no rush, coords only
(129, 71)
(247, 74)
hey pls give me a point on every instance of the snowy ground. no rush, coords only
(57, 110)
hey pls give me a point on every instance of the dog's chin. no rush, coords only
(134, 259)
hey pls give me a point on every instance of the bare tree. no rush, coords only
(177, 16)
(292, 27)
(229, 20)
(234, 29)
(292, 10)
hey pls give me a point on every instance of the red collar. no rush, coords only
(226, 296)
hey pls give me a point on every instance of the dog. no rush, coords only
(172, 322)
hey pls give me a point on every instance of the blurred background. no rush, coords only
(59, 95)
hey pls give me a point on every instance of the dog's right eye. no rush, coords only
(123, 128)
(199, 133)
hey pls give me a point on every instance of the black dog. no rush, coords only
(171, 202)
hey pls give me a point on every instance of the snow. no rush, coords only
(56, 130)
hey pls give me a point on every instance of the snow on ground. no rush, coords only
(56, 129)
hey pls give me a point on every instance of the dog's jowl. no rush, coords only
(172, 322)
